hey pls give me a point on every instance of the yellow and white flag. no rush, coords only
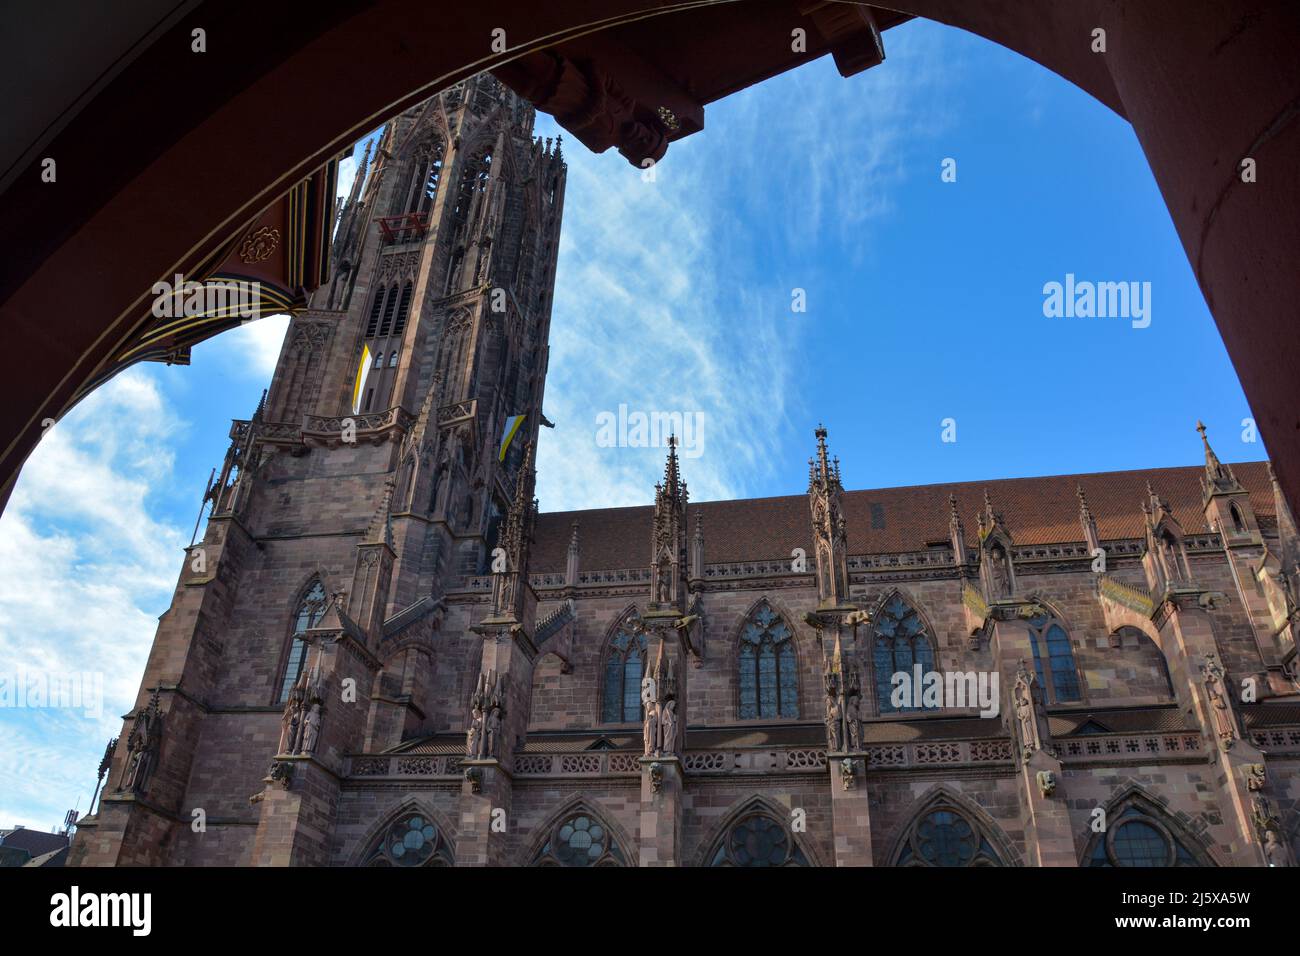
(363, 371)
(512, 426)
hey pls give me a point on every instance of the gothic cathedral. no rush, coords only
(381, 653)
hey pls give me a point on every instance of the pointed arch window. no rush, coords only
(309, 611)
(412, 840)
(403, 309)
(580, 839)
(758, 839)
(389, 308)
(769, 676)
(1054, 663)
(1139, 838)
(944, 836)
(624, 668)
(432, 179)
(901, 643)
(372, 325)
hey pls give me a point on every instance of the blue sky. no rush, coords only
(924, 302)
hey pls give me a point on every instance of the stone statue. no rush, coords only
(311, 729)
(853, 718)
(834, 740)
(668, 727)
(650, 729)
(474, 735)
(1225, 724)
(487, 713)
(142, 748)
(1275, 852)
(1256, 776)
(998, 567)
(291, 719)
(1026, 713)
(493, 732)
(648, 690)
(1046, 782)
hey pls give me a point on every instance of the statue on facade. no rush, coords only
(834, 742)
(142, 748)
(668, 727)
(1275, 851)
(487, 717)
(291, 720)
(853, 719)
(311, 729)
(1221, 713)
(650, 729)
(1028, 714)
(492, 731)
(998, 569)
(301, 721)
(474, 735)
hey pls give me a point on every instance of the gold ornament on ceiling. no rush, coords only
(259, 245)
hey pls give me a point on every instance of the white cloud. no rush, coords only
(249, 351)
(674, 295)
(83, 558)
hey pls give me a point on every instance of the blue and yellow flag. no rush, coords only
(362, 373)
(512, 426)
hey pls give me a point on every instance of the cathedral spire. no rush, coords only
(669, 567)
(829, 529)
(1219, 479)
(1086, 521)
(380, 529)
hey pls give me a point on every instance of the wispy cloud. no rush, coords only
(675, 295)
(83, 556)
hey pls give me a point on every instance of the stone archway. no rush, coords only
(248, 120)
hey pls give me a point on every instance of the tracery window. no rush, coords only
(624, 668)
(310, 609)
(901, 642)
(946, 837)
(413, 840)
(769, 676)
(758, 839)
(1054, 660)
(1135, 838)
(580, 839)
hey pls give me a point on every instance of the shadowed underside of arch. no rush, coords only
(254, 120)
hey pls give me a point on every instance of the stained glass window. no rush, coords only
(769, 677)
(901, 643)
(413, 840)
(946, 837)
(309, 612)
(580, 839)
(624, 668)
(1134, 838)
(757, 839)
(1054, 660)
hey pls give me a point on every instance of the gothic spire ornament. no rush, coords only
(829, 528)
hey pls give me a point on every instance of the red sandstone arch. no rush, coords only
(743, 807)
(807, 654)
(282, 89)
(936, 798)
(410, 803)
(579, 802)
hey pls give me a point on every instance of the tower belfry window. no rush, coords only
(431, 181)
(389, 309)
(372, 326)
(403, 308)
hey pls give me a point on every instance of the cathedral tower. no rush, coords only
(374, 477)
